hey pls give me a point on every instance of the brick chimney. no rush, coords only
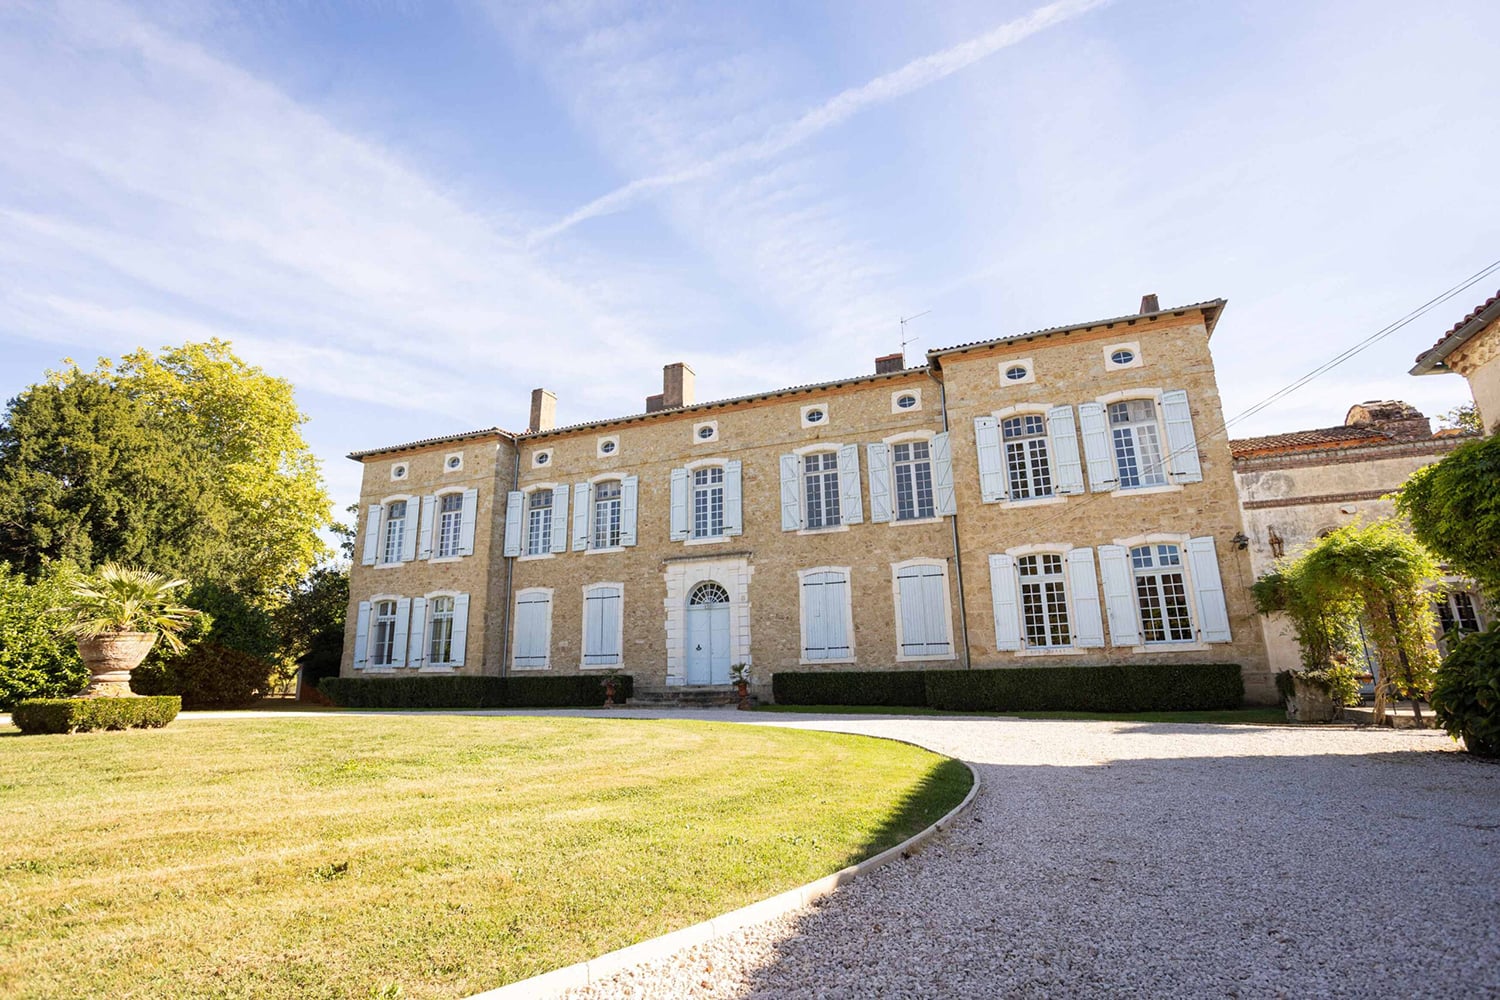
(543, 410)
(676, 387)
(888, 363)
(1149, 304)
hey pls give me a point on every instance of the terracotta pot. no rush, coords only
(110, 658)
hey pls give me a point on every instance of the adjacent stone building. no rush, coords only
(1472, 349)
(1064, 497)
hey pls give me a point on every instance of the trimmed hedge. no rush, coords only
(854, 687)
(80, 715)
(207, 676)
(1137, 687)
(470, 692)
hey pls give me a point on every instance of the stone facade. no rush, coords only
(1058, 498)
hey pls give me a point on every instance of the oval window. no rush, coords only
(1016, 372)
(542, 458)
(704, 433)
(1123, 356)
(607, 448)
(399, 472)
(454, 462)
(814, 416)
(906, 402)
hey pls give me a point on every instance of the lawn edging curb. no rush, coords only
(579, 974)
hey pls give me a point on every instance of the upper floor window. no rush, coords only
(539, 522)
(450, 524)
(912, 469)
(1027, 469)
(820, 489)
(608, 514)
(395, 531)
(383, 636)
(1044, 600)
(708, 502)
(1455, 610)
(440, 641)
(1137, 443)
(1161, 593)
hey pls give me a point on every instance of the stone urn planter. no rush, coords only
(1310, 702)
(110, 657)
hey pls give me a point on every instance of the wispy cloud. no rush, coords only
(913, 76)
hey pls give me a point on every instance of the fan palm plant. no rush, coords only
(121, 599)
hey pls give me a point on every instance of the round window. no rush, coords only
(542, 458)
(399, 472)
(454, 462)
(1123, 356)
(705, 432)
(1016, 373)
(814, 416)
(607, 448)
(906, 402)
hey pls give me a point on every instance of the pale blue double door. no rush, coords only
(708, 636)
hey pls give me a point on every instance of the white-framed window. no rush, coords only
(539, 522)
(708, 502)
(608, 447)
(820, 489)
(924, 621)
(393, 541)
(906, 400)
(541, 458)
(1046, 599)
(603, 624)
(1161, 593)
(604, 513)
(911, 473)
(1027, 467)
(449, 526)
(399, 472)
(1028, 454)
(383, 634)
(827, 615)
(1045, 620)
(533, 631)
(380, 632)
(1140, 440)
(1017, 371)
(1162, 589)
(911, 478)
(608, 515)
(705, 432)
(1120, 356)
(1457, 611)
(453, 462)
(1136, 438)
(440, 630)
(815, 415)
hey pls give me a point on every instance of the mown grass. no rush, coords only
(414, 856)
(1230, 716)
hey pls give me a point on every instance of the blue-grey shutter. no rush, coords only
(409, 535)
(791, 493)
(468, 517)
(734, 506)
(1182, 443)
(630, 491)
(1092, 420)
(1119, 597)
(1067, 466)
(460, 629)
(372, 535)
(879, 456)
(991, 459)
(426, 526)
(851, 504)
(560, 518)
(403, 620)
(1005, 595)
(416, 639)
(514, 501)
(361, 634)
(1213, 615)
(601, 626)
(582, 502)
(533, 630)
(1083, 587)
(679, 504)
(944, 502)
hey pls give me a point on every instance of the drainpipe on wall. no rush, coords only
(510, 566)
(958, 559)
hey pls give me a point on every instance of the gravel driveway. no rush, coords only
(1148, 860)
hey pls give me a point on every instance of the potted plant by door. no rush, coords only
(610, 682)
(117, 615)
(739, 676)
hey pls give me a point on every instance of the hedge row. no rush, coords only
(470, 692)
(1137, 687)
(79, 715)
(207, 676)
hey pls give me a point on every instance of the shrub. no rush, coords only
(1338, 680)
(206, 676)
(855, 687)
(36, 660)
(1466, 696)
(470, 692)
(1135, 687)
(80, 715)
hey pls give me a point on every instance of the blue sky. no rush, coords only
(418, 211)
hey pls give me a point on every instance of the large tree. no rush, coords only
(1454, 509)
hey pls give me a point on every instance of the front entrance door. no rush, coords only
(708, 635)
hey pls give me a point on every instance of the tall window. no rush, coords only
(383, 640)
(607, 512)
(921, 597)
(450, 523)
(601, 625)
(1026, 464)
(440, 644)
(533, 636)
(820, 489)
(1137, 442)
(539, 522)
(912, 463)
(825, 615)
(1455, 610)
(1044, 600)
(708, 502)
(1161, 593)
(395, 530)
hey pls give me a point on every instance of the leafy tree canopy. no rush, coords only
(1454, 509)
(36, 659)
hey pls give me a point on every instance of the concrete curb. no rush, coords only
(559, 981)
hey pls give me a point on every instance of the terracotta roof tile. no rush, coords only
(1318, 439)
(1433, 356)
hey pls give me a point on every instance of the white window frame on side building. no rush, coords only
(448, 535)
(605, 524)
(1013, 464)
(369, 618)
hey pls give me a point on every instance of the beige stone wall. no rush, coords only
(1071, 369)
(1479, 362)
(756, 434)
(488, 465)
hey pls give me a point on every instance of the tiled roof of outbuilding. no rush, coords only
(1318, 439)
(1432, 359)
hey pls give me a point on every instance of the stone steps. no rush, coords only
(708, 696)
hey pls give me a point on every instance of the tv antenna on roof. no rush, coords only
(904, 339)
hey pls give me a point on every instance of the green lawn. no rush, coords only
(1235, 716)
(418, 856)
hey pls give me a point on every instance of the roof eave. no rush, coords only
(1434, 360)
(1212, 310)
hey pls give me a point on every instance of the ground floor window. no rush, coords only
(533, 631)
(826, 615)
(602, 623)
(924, 629)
